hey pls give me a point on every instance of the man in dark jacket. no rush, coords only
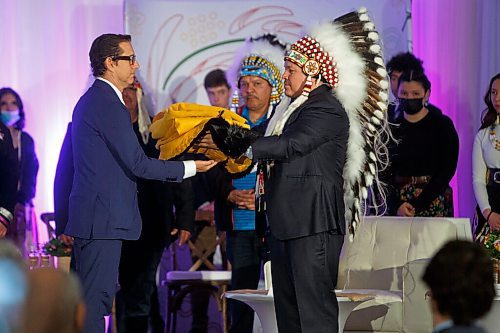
(315, 153)
(165, 208)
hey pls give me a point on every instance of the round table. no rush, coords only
(263, 305)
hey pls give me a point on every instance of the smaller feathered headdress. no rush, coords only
(261, 56)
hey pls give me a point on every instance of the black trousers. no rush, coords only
(304, 272)
(247, 253)
(135, 305)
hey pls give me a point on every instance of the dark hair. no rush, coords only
(403, 62)
(216, 78)
(104, 46)
(20, 123)
(416, 76)
(460, 277)
(489, 114)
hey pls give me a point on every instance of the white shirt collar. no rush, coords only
(118, 92)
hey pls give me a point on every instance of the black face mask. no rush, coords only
(411, 106)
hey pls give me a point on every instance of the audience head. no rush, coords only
(13, 287)
(259, 73)
(112, 56)
(11, 108)
(492, 100)
(54, 302)
(413, 91)
(460, 278)
(217, 88)
(402, 62)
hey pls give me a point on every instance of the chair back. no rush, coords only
(47, 218)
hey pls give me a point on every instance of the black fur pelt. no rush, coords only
(232, 140)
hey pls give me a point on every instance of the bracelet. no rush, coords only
(488, 218)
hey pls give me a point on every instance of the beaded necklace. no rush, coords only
(493, 138)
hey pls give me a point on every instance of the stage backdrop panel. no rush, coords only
(179, 42)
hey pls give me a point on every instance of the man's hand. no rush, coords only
(203, 166)
(3, 230)
(243, 199)
(494, 221)
(67, 240)
(206, 142)
(184, 235)
(406, 209)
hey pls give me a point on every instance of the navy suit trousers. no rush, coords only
(97, 263)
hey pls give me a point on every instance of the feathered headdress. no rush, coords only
(261, 56)
(346, 55)
(143, 117)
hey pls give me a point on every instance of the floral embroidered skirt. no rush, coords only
(441, 206)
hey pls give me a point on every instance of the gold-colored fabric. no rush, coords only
(177, 127)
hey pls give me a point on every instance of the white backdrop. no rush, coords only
(45, 48)
(178, 42)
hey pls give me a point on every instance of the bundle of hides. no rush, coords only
(178, 128)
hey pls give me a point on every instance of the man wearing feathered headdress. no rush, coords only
(257, 72)
(322, 155)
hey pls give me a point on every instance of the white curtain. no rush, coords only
(44, 57)
(458, 42)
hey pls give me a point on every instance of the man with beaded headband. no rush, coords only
(257, 72)
(323, 153)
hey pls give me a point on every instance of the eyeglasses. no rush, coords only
(131, 58)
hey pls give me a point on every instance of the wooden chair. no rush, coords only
(181, 283)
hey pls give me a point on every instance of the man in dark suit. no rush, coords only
(108, 159)
(306, 186)
(305, 207)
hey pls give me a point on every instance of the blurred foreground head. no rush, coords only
(54, 302)
(460, 278)
(13, 287)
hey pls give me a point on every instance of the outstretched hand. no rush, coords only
(203, 166)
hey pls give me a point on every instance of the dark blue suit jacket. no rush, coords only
(108, 159)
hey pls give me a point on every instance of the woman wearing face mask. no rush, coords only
(486, 160)
(13, 116)
(425, 158)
